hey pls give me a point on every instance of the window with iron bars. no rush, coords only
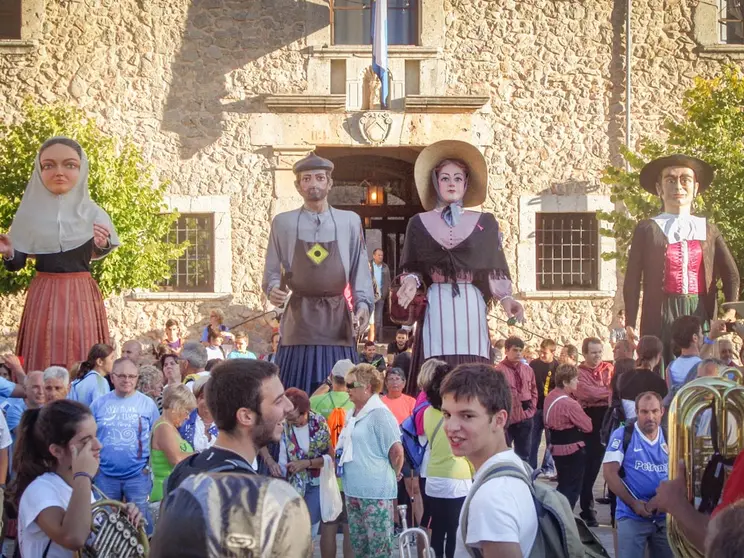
(731, 21)
(567, 251)
(10, 19)
(351, 22)
(194, 270)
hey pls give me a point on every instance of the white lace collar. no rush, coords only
(681, 227)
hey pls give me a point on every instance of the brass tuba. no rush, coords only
(723, 400)
(114, 536)
(410, 538)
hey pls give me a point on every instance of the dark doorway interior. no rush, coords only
(378, 185)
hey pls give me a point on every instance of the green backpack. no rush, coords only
(559, 533)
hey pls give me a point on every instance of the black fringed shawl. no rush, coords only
(481, 254)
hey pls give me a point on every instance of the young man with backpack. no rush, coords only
(635, 464)
(499, 517)
(500, 513)
(246, 399)
(333, 406)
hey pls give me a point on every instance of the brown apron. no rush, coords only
(317, 313)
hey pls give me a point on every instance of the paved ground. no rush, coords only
(603, 532)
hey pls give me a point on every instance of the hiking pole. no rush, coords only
(513, 322)
(254, 318)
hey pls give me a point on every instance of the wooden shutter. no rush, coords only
(10, 19)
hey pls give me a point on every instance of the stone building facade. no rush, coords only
(225, 95)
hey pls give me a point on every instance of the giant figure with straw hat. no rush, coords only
(676, 258)
(314, 252)
(455, 256)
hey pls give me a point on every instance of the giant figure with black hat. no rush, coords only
(676, 258)
(314, 252)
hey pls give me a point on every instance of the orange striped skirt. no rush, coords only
(63, 318)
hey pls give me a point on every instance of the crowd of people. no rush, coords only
(217, 452)
(139, 430)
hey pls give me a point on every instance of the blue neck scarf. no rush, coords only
(451, 212)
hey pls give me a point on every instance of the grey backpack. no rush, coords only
(559, 533)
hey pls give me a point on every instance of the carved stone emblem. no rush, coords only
(375, 126)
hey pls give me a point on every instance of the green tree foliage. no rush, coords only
(120, 182)
(711, 129)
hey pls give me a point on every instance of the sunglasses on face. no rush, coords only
(352, 385)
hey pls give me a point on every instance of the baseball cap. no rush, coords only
(341, 368)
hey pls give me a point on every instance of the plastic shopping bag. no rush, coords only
(330, 496)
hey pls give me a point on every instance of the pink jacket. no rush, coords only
(521, 379)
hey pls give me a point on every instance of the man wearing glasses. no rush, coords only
(125, 418)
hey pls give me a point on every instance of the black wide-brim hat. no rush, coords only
(651, 172)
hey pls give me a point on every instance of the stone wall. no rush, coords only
(188, 81)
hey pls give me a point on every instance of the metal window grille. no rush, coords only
(194, 270)
(351, 22)
(567, 251)
(10, 19)
(730, 21)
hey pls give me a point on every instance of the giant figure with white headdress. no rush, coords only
(63, 229)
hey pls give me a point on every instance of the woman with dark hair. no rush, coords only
(59, 225)
(56, 457)
(448, 478)
(631, 384)
(455, 256)
(305, 440)
(93, 375)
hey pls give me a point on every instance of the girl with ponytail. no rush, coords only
(644, 378)
(56, 457)
(92, 379)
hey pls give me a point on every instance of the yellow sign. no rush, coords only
(317, 254)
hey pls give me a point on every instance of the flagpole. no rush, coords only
(380, 48)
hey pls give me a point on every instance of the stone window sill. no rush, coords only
(16, 46)
(722, 48)
(553, 295)
(176, 296)
(354, 51)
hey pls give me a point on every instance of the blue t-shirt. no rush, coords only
(238, 354)
(680, 367)
(6, 388)
(205, 333)
(646, 466)
(124, 427)
(88, 388)
(14, 408)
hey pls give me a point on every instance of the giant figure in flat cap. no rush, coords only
(318, 250)
(676, 258)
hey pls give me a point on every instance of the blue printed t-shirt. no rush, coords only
(124, 427)
(89, 388)
(369, 474)
(238, 354)
(646, 466)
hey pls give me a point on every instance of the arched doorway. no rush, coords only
(378, 185)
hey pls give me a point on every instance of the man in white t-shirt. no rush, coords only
(502, 521)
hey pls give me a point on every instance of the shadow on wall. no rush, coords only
(221, 36)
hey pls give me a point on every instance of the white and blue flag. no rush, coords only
(380, 47)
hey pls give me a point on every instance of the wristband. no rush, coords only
(708, 341)
(83, 474)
